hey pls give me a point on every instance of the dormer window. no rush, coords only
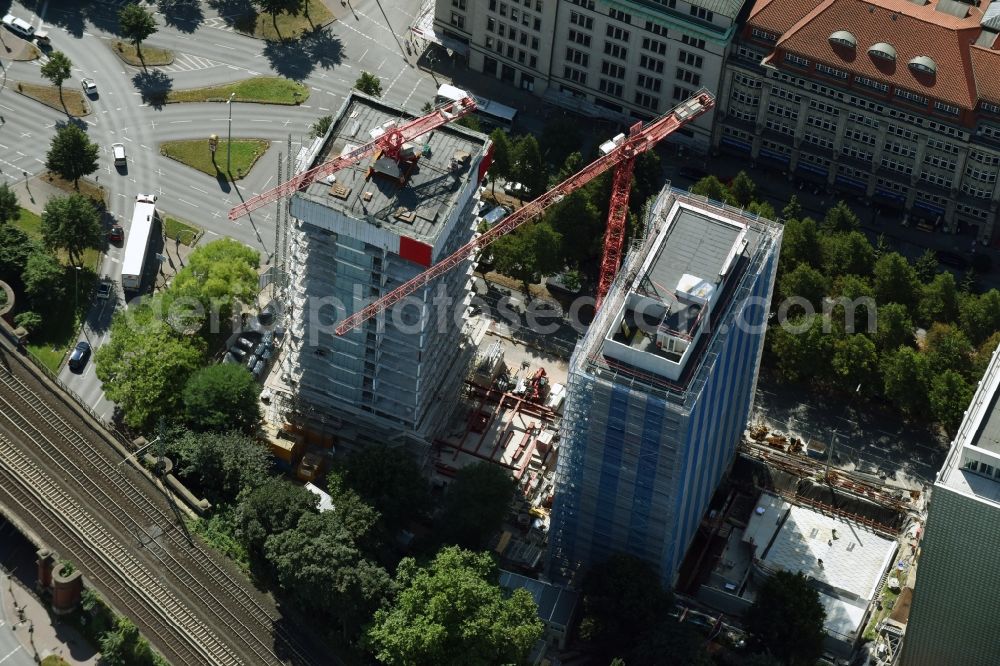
(843, 38)
(883, 51)
(923, 64)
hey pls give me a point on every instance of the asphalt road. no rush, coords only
(369, 37)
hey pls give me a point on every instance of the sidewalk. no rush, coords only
(39, 633)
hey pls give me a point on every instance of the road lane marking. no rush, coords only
(199, 189)
(188, 202)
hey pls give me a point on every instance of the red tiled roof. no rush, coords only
(912, 30)
(986, 65)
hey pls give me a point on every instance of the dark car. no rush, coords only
(79, 357)
(952, 259)
(116, 234)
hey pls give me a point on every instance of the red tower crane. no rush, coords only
(622, 155)
(390, 142)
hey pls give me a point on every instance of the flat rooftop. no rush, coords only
(973, 463)
(413, 200)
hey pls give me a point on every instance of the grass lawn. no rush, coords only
(59, 333)
(151, 56)
(49, 96)
(184, 232)
(88, 189)
(195, 154)
(54, 660)
(284, 26)
(260, 89)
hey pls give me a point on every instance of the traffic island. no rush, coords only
(70, 102)
(182, 233)
(146, 56)
(283, 26)
(197, 154)
(256, 90)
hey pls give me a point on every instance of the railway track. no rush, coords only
(254, 631)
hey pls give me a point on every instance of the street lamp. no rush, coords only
(229, 141)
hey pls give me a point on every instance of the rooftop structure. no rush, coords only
(358, 234)
(895, 100)
(955, 606)
(556, 605)
(675, 347)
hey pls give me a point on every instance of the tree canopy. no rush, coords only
(44, 280)
(72, 154)
(143, 364)
(502, 157)
(71, 223)
(9, 206)
(527, 166)
(529, 253)
(391, 481)
(57, 69)
(222, 397)
(136, 24)
(218, 276)
(271, 508)
(454, 613)
(221, 464)
(475, 505)
(369, 84)
(786, 619)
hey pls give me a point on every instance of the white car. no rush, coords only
(118, 153)
(104, 289)
(89, 86)
(18, 26)
(515, 189)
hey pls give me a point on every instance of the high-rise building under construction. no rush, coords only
(661, 386)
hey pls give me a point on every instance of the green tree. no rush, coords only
(454, 612)
(895, 280)
(321, 127)
(846, 253)
(806, 282)
(71, 154)
(801, 349)
(321, 569)
(30, 320)
(221, 464)
(763, 209)
(855, 304)
(218, 276)
(532, 251)
(949, 396)
(841, 218)
(743, 189)
(124, 646)
(800, 244)
(391, 480)
(10, 209)
(670, 643)
(792, 210)
(136, 24)
(527, 167)
(786, 619)
(895, 328)
(938, 300)
(926, 266)
(579, 222)
(948, 348)
(475, 505)
(572, 164)
(502, 157)
(57, 69)
(558, 139)
(144, 363)
(983, 353)
(647, 179)
(905, 374)
(622, 601)
(220, 398)
(16, 247)
(855, 363)
(72, 224)
(271, 508)
(979, 316)
(713, 188)
(369, 84)
(44, 280)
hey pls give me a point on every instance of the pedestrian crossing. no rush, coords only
(217, 23)
(185, 62)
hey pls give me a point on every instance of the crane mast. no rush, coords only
(622, 155)
(390, 142)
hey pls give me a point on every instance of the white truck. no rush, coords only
(143, 218)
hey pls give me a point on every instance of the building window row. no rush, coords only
(654, 45)
(782, 111)
(577, 57)
(982, 158)
(901, 149)
(907, 117)
(459, 4)
(947, 108)
(851, 172)
(896, 165)
(701, 13)
(511, 33)
(747, 81)
(981, 174)
(933, 198)
(892, 185)
(823, 107)
(856, 152)
(681, 93)
(585, 22)
(946, 147)
(819, 140)
(652, 64)
(749, 54)
(458, 21)
(615, 50)
(619, 15)
(612, 70)
(978, 192)
(647, 101)
(575, 75)
(656, 29)
(611, 88)
(862, 119)
(815, 159)
(742, 114)
(901, 131)
(781, 128)
(586, 4)
(972, 211)
(858, 135)
(825, 90)
(990, 131)
(911, 96)
(688, 77)
(945, 129)
(581, 38)
(990, 108)
(784, 93)
(776, 147)
(871, 83)
(694, 42)
(648, 82)
(822, 123)
(831, 71)
(796, 60)
(745, 97)
(935, 179)
(690, 59)
(614, 32)
(737, 134)
(941, 162)
(764, 35)
(865, 104)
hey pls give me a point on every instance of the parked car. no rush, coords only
(495, 215)
(104, 289)
(89, 86)
(19, 27)
(515, 189)
(117, 151)
(116, 234)
(78, 358)
(245, 343)
(237, 352)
